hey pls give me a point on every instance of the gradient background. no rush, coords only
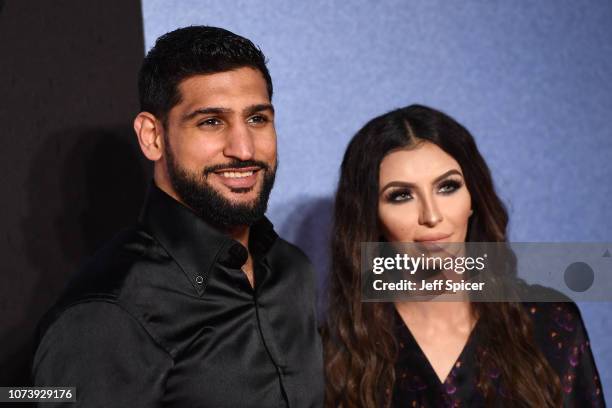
(530, 80)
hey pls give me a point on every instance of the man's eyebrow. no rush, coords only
(204, 111)
(260, 107)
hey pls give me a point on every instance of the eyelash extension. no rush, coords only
(394, 195)
(453, 184)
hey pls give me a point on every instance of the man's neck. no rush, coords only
(240, 233)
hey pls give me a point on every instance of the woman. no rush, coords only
(415, 174)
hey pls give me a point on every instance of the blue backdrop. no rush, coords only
(531, 80)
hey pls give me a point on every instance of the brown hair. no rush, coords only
(359, 340)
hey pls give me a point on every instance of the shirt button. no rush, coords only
(199, 280)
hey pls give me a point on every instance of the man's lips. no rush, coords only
(243, 177)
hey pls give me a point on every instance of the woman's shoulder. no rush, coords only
(556, 313)
(560, 333)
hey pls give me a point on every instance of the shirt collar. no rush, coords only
(195, 245)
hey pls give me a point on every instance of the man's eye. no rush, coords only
(209, 122)
(258, 119)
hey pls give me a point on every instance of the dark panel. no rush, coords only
(71, 172)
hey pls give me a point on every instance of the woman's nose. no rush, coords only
(429, 214)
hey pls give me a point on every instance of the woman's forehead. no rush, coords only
(417, 163)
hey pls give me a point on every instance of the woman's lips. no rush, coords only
(238, 178)
(432, 238)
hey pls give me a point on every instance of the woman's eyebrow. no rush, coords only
(445, 175)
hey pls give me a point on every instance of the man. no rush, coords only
(201, 304)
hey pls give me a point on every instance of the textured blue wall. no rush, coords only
(531, 80)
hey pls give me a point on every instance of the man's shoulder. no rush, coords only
(288, 253)
(129, 267)
(113, 268)
(287, 256)
(294, 265)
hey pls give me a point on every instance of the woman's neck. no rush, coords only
(437, 314)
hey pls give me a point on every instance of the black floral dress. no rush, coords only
(560, 333)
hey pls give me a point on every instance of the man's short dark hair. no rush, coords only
(190, 51)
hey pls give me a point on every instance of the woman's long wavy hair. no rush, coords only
(359, 340)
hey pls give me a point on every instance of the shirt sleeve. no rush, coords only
(580, 382)
(106, 354)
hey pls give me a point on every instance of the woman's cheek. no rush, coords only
(396, 224)
(458, 211)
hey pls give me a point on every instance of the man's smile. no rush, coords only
(242, 178)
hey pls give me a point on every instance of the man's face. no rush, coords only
(220, 146)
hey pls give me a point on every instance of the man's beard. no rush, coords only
(195, 191)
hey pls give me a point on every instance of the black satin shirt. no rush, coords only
(163, 316)
(560, 334)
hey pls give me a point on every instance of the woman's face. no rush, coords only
(422, 196)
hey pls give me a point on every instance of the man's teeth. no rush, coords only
(237, 174)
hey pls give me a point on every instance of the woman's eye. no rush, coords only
(399, 196)
(449, 186)
(210, 122)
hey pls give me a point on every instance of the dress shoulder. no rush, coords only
(561, 335)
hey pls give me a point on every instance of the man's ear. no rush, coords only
(149, 132)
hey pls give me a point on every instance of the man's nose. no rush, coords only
(239, 143)
(429, 214)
